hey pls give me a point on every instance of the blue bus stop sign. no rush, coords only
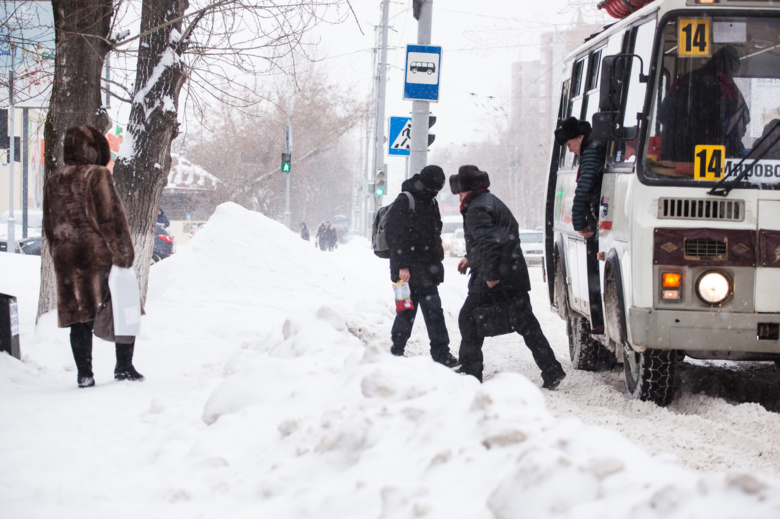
(421, 81)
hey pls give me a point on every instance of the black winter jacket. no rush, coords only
(414, 237)
(493, 245)
(587, 194)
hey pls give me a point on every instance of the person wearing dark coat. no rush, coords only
(162, 219)
(321, 238)
(497, 265)
(575, 135)
(86, 230)
(304, 232)
(416, 255)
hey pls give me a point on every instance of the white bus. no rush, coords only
(685, 96)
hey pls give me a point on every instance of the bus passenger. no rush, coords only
(705, 106)
(575, 135)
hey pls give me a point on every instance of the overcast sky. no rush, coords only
(479, 40)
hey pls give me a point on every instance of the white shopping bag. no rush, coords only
(125, 301)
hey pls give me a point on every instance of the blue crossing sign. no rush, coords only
(421, 81)
(400, 140)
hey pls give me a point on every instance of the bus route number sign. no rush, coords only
(709, 162)
(693, 38)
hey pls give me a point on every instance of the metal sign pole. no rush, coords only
(11, 241)
(418, 154)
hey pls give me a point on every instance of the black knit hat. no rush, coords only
(469, 178)
(432, 177)
(571, 128)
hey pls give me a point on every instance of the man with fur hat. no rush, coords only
(497, 265)
(416, 255)
(575, 135)
(86, 229)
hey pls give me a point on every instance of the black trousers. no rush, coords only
(470, 354)
(428, 300)
(81, 344)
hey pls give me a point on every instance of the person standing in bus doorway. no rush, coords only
(416, 256)
(575, 135)
(496, 261)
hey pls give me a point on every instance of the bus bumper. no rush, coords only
(704, 331)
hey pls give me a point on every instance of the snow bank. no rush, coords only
(270, 392)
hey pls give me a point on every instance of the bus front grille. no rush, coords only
(705, 249)
(701, 209)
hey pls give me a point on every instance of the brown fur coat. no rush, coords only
(85, 226)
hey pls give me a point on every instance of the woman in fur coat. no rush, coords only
(86, 229)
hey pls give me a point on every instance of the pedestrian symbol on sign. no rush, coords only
(400, 135)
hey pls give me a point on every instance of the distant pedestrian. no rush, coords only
(416, 255)
(333, 237)
(496, 261)
(161, 218)
(321, 238)
(304, 232)
(86, 229)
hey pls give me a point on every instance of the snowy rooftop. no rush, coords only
(186, 175)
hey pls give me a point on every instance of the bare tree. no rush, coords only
(81, 39)
(214, 43)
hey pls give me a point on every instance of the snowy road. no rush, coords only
(702, 432)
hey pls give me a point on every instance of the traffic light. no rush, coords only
(379, 183)
(431, 122)
(286, 158)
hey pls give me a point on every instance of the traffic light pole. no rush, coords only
(379, 118)
(418, 151)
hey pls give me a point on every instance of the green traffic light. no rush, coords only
(286, 167)
(380, 191)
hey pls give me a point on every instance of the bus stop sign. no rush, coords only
(421, 80)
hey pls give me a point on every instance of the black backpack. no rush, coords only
(378, 237)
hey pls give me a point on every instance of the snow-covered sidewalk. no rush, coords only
(270, 392)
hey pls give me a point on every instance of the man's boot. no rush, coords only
(124, 369)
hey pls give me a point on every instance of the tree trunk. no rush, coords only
(141, 173)
(81, 37)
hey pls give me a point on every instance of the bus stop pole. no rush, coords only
(418, 151)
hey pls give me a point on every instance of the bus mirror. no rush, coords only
(606, 127)
(613, 81)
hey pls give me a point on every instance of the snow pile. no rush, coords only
(270, 392)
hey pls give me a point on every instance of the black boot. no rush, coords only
(81, 344)
(124, 369)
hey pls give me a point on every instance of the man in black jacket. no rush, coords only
(575, 135)
(416, 255)
(497, 265)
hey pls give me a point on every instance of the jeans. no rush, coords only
(428, 300)
(470, 354)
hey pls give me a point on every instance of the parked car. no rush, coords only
(450, 224)
(458, 245)
(164, 244)
(532, 243)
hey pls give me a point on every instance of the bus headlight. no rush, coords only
(713, 287)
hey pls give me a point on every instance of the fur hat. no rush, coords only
(432, 177)
(86, 145)
(469, 178)
(570, 129)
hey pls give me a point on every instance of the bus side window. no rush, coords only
(569, 160)
(639, 41)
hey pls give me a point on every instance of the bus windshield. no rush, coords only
(717, 108)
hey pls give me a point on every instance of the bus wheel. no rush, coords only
(650, 374)
(583, 350)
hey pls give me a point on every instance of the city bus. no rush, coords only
(685, 97)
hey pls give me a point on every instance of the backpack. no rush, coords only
(378, 237)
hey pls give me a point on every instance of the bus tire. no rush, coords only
(650, 374)
(585, 352)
